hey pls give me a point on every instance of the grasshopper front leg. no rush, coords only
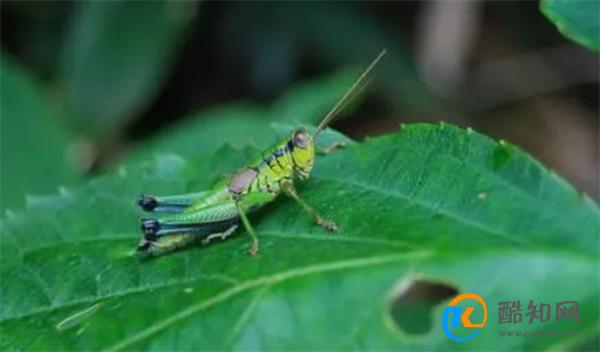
(221, 235)
(288, 188)
(331, 148)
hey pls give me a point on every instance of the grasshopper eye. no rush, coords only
(300, 139)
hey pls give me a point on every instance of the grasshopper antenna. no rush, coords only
(350, 93)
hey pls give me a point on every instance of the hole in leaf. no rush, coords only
(411, 304)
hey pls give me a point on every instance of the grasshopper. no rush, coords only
(216, 213)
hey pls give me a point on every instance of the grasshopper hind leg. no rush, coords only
(154, 229)
(169, 204)
(253, 249)
(164, 245)
(176, 241)
(147, 203)
(154, 204)
(150, 228)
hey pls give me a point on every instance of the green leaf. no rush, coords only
(246, 124)
(578, 20)
(117, 54)
(33, 146)
(201, 134)
(434, 203)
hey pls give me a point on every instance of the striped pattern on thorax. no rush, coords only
(276, 164)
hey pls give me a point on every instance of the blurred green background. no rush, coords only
(88, 85)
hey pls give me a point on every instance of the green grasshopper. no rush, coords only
(216, 213)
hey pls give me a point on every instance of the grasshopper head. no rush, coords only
(302, 148)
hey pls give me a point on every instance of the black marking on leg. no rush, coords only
(147, 203)
(153, 229)
(144, 246)
(150, 228)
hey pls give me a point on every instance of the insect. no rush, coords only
(217, 213)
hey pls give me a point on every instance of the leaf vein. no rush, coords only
(265, 280)
(123, 293)
(423, 204)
